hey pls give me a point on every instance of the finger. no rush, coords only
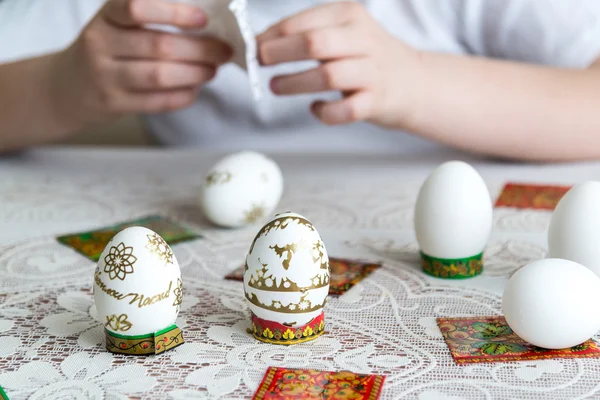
(142, 44)
(132, 13)
(328, 15)
(152, 76)
(321, 44)
(356, 107)
(348, 74)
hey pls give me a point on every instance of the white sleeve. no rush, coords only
(33, 27)
(561, 33)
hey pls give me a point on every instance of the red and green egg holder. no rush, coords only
(458, 268)
(276, 333)
(140, 345)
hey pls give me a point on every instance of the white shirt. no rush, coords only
(551, 32)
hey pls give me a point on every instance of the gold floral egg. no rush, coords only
(138, 291)
(241, 189)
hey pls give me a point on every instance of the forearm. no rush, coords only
(28, 104)
(507, 109)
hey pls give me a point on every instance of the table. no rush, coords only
(51, 343)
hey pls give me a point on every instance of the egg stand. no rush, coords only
(459, 268)
(153, 343)
(3, 395)
(276, 333)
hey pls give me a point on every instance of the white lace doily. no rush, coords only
(51, 343)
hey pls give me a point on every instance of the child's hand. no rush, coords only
(117, 67)
(374, 70)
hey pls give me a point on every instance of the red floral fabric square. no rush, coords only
(289, 384)
(537, 197)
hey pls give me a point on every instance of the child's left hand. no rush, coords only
(375, 71)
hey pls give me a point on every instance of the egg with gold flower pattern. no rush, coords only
(241, 189)
(138, 291)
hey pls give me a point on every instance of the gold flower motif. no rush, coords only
(217, 178)
(289, 334)
(303, 305)
(158, 246)
(255, 214)
(119, 261)
(178, 292)
(307, 331)
(118, 323)
(267, 333)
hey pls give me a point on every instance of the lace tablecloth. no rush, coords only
(51, 343)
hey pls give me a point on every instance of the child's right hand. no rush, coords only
(117, 67)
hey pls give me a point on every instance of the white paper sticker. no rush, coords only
(229, 21)
(240, 9)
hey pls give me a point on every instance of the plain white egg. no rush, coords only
(574, 232)
(241, 189)
(453, 215)
(553, 303)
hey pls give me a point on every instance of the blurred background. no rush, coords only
(128, 131)
(29, 37)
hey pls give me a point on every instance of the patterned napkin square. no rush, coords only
(344, 274)
(236, 275)
(537, 197)
(283, 383)
(91, 244)
(347, 273)
(490, 339)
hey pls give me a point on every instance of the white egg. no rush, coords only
(453, 221)
(241, 189)
(137, 285)
(286, 280)
(553, 303)
(574, 233)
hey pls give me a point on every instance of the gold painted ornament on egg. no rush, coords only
(286, 281)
